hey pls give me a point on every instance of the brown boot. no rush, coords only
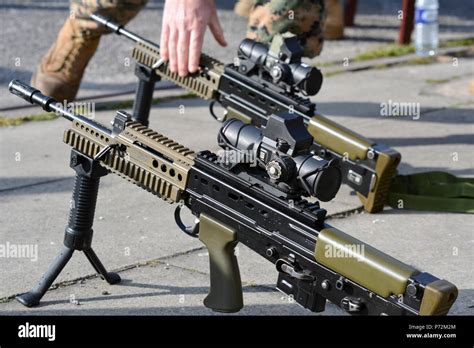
(60, 72)
(334, 27)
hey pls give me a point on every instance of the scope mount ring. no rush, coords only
(192, 231)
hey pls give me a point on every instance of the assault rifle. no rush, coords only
(260, 205)
(262, 81)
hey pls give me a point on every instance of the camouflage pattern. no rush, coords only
(303, 18)
(121, 11)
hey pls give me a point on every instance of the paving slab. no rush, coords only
(160, 289)
(177, 285)
(360, 94)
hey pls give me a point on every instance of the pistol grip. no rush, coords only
(225, 294)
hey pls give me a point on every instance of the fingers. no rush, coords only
(182, 34)
(217, 31)
(172, 48)
(183, 51)
(197, 38)
(165, 34)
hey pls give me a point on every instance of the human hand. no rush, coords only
(182, 32)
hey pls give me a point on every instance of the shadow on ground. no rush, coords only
(463, 305)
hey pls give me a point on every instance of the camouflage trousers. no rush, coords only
(303, 18)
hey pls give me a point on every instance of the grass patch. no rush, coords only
(381, 66)
(100, 106)
(325, 64)
(460, 42)
(436, 81)
(333, 73)
(15, 121)
(421, 60)
(6, 299)
(114, 105)
(391, 50)
(394, 50)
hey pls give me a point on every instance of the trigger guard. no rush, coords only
(192, 231)
(213, 114)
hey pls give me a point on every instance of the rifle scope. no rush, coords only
(282, 150)
(284, 68)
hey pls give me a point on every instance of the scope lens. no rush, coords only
(327, 183)
(308, 79)
(320, 178)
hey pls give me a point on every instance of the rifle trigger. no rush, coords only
(284, 267)
(213, 114)
(192, 231)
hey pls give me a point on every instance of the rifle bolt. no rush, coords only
(326, 285)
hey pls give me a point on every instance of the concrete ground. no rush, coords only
(165, 271)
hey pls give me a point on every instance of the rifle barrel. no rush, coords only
(119, 29)
(34, 96)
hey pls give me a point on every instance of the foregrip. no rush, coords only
(81, 217)
(225, 294)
